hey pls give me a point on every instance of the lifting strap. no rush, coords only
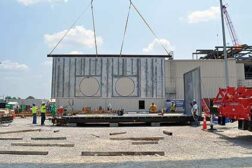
(70, 28)
(93, 18)
(146, 23)
(125, 28)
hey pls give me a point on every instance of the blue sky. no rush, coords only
(29, 29)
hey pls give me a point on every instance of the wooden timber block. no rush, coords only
(155, 124)
(20, 131)
(123, 153)
(24, 152)
(97, 136)
(7, 139)
(139, 138)
(167, 133)
(117, 133)
(42, 144)
(145, 143)
(49, 138)
(113, 124)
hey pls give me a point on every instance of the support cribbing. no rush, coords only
(70, 28)
(152, 31)
(125, 28)
(93, 18)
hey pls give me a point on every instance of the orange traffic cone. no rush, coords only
(204, 126)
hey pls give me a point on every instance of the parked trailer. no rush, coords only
(235, 104)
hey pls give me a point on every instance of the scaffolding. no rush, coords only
(240, 53)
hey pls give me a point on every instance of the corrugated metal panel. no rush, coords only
(72, 77)
(145, 77)
(192, 89)
(53, 79)
(66, 78)
(60, 74)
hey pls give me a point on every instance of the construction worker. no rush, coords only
(60, 111)
(173, 107)
(153, 108)
(195, 112)
(43, 113)
(53, 109)
(34, 114)
(109, 107)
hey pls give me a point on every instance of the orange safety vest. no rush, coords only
(153, 108)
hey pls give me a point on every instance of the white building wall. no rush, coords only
(212, 76)
(240, 71)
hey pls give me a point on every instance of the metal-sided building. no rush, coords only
(133, 82)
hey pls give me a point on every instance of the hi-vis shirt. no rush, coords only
(195, 108)
(34, 109)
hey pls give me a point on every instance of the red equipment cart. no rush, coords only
(236, 104)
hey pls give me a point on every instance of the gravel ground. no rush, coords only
(188, 147)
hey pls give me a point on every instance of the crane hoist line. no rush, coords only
(131, 6)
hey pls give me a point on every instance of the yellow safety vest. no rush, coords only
(43, 109)
(173, 107)
(34, 109)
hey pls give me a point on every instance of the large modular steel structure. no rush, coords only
(131, 82)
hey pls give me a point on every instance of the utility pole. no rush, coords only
(224, 45)
(225, 59)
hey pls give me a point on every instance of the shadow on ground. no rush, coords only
(212, 163)
(244, 141)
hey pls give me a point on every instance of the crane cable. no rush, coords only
(70, 28)
(93, 19)
(152, 31)
(125, 29)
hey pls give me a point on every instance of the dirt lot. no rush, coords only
(187, 147)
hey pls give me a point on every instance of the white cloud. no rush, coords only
(32, 2)
(154, 46)
(12, 66)
(47, 63)
(78, 36)
(75, 52)
(204, 16)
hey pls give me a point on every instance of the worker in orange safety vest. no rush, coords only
(153, 108)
